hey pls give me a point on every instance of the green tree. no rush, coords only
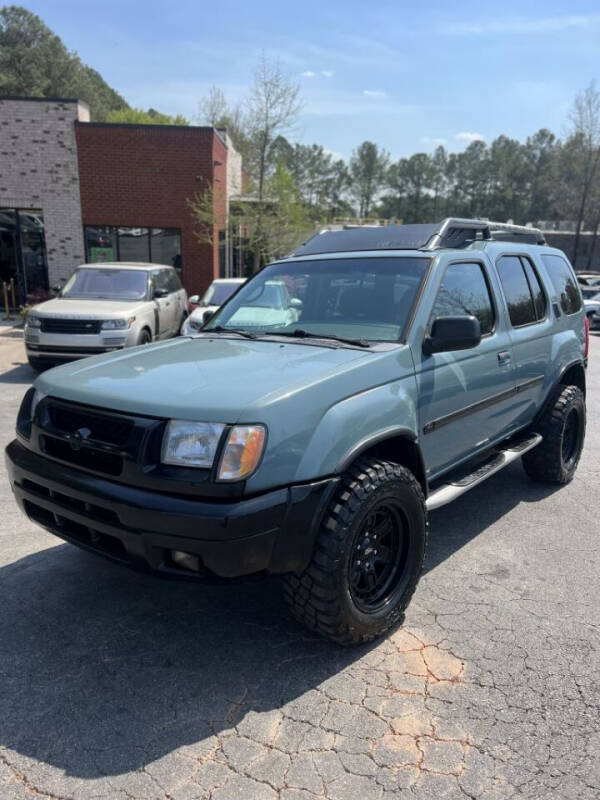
(368, 172)
(138, 116)
(35, 62)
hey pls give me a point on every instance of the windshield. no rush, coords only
(359, 298)
(107, 284)
(218, 293)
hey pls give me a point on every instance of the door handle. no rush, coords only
(504, 356)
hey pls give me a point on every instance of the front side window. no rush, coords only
(464, 292)
(107, 284)
(514, 282)
(359, 298)
(564, 283)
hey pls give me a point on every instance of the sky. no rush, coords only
(407, 75)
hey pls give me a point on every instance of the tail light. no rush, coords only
(587, 336)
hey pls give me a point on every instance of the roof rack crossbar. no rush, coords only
(452, 232)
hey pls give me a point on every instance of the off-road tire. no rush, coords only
(320, 597)
(546, 462)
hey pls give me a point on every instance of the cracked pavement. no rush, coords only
(117, 685)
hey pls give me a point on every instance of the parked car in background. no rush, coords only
(213, 298)
(591, 301)
(103, 308)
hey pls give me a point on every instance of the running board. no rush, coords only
(450, 491)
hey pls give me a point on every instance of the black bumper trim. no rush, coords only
(272, 532)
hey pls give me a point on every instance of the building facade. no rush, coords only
(75, 191)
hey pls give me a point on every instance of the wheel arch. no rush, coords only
(400, 446)
(573, 375)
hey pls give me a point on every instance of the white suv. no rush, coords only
(105, 307)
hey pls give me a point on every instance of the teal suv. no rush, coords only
(415, 361)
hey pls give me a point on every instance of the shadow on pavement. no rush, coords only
(456, 524)
(19, 373)
(104, 670)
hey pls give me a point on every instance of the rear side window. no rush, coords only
(564, 282)
(539, 298)
(464, 292)
(515, 285)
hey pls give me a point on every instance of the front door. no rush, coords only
(466, 397)
(23, 254)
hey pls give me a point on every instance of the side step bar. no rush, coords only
(450, 491)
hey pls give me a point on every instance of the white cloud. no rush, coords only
(327, 73)
(521, 25)
(308, 73)
(378, 93)
(470, 136)
(432, 140)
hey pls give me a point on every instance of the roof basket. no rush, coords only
(452, 232)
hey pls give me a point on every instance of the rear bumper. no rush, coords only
(272, 532)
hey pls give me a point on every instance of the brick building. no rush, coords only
(72, 190)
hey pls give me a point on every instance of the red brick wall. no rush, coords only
(142, 176)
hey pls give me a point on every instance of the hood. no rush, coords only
(210, 379)
(75, 307)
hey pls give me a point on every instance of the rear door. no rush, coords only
(178, 299)
(466, 397)
(531, 329)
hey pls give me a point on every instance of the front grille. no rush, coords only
(79, 326)
(86, 457)
(102, 428)
(95, 440)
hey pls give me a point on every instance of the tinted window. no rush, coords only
(539, 298)
(564, 283)
(464, 292)
(516, 290)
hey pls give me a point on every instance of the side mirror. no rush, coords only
(57, 290)
(207, 315)
(295, 302)
(158, 293)
(194, 299)
(452, 333)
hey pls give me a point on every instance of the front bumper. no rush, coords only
(55, 347)
(272, 532)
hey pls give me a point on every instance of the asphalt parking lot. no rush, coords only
(116, 685)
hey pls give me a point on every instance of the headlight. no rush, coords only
(33, 321)
(117, 324)
(245, 445)
(37, 396)
(191, 444)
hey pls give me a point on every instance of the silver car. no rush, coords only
(106, 307)
(213, 298)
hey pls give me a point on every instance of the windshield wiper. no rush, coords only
(239, 331)
(299, 333)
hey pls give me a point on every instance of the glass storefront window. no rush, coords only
(155, 245)
(101, 245)
(165, 247)
(134, 244)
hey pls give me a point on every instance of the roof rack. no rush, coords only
(452, 232)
